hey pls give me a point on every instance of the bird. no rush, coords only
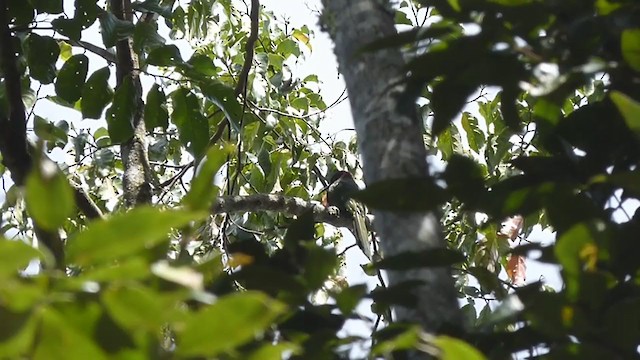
(338, 193)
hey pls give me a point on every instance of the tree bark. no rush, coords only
(391, 145)
(137, 175)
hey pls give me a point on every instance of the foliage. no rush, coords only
(176, 280)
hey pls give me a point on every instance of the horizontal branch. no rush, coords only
(281, 204)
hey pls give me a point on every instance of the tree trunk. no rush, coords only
(391, 144)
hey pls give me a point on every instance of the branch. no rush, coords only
(138, 174)
(281, 204)
(103, 53)
(13, 127)
(251, 41)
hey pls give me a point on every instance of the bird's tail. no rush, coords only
(360, 228)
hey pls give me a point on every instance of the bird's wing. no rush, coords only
(361, 232)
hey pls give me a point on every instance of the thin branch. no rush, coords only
(241, 86)
(103, 53)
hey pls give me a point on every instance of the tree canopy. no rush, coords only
(180, 215)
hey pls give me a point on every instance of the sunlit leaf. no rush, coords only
(125, 234)
(230, 322)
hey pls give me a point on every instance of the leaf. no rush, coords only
(475, 136)
(125, 234)
(96, 94)
(396, 337)
(146, 37)
(302, 37)
(114, 29)
(302, 229)
(71, 77)
(630, 46)
(59, 339)
(223, 96)
(455, 349)
(192, 125)
(68, 27)
(629, 108)
(230, 322)
(167, 55)
(50, 200)
(574, 249)
(65, 50)
(516, 269)
(347, 299)
(464, 179)
(418, 259)
(120, 115)
(15, 256)
(154, 6)
(47, 6)
(203, 192)
(413, 194)
(42, 54)
(135, 307)
(45, 130)
(155, 111)
(449, 96)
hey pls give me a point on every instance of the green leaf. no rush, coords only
(155, 111)
(230, 322)
(65, 50)
(42, 54)
(629, 108)
(135, 307)
(449, 97)
(223, 96)
(146, 37)
(46, 130)
(414, 194)
(424, 258)
(50, 200)
(402, 19)
(121, 114)
(68, 27)
(155, 6)
(203, 192)
(274, 351)
(347, 299)
(574, 249)
(396, 337)
(192, 125)
(475, 136)
(167, 55)
(21, 11)
(288, 47)
(59, 339)
(47, 6)
(319, 264)
(71, 77)
(17, 331)
(125, 234)
(630, 46)
(114, 29)
(96, 94)
(15, 256)
(464, 179)
(455, 349)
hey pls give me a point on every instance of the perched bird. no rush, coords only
(338, 194)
